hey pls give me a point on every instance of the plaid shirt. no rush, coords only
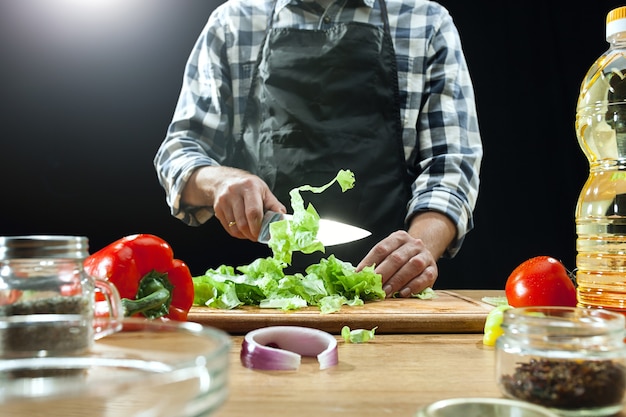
(441, 138)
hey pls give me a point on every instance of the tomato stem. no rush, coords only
(572, 275)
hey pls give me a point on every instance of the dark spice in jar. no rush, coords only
(567, 384)
(57, 337)
(50, 336)
(57, 304)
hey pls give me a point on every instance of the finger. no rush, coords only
(253, 216)
(256, 205)
(226, 220)
(418, 284)
(244, 208)
(377, 255)
(399, 266)
(402, 270)
(381, 252)
(270, 202)
(233, 228)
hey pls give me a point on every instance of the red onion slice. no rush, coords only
(282, 347)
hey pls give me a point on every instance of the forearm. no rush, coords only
(435, 229)
(207, 182)
(234, 196)
(199, 191)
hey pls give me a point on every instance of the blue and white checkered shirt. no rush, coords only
(441, 137)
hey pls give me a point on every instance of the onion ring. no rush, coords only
(282, 348)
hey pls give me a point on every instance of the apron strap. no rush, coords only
(304, 5)
(383, 11)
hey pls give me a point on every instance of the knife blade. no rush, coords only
(330, 232)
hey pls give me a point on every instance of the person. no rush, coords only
(281, 93)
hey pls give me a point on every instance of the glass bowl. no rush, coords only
(483, 407)
(147, 369)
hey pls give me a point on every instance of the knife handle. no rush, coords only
(268, 217)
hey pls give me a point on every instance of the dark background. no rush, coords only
(88, 87)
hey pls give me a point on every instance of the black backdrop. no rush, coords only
(87, 89)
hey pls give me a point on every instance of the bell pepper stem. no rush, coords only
(154, 297)
(154, 300)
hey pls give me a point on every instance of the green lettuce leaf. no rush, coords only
(284, 303)
(426, 294)
(341, 277)
(357, 335)
(300, 232)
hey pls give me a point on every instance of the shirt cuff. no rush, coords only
(449, 204)
(191, 215)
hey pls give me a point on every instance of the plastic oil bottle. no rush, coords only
(601, 208)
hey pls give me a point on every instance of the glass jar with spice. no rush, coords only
(47, 301)
(569, 359)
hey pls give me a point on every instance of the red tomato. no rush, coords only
(540, 281)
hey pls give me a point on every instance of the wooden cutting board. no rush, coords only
(449, 312)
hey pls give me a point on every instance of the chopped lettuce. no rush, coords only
(284, 303)
(493, 325)
(495, 301)
(296, 234)
(328, 284)
(426, 294)
(341, 277)
(357, 335)
(300, 232)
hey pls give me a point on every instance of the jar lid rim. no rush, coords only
(43, 246)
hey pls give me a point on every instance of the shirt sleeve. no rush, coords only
(201, 123)
(447, 158)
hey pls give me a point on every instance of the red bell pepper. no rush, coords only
(150, 281)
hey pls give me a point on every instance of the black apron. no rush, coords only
(321, 101)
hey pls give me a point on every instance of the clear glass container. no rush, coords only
(483, 407)
(149, 368)
(47, 300)
(568, 359)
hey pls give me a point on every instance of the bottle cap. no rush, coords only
(616, 21)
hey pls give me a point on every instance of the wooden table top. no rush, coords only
(391, 375)
(394, 375)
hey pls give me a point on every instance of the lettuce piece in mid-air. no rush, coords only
(300, 232)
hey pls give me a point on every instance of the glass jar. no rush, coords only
(47, 301)
(568, 359)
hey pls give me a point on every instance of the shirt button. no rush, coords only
(326, 19)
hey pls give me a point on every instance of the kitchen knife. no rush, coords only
(330, 232)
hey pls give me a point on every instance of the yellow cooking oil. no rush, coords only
(601, 207)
